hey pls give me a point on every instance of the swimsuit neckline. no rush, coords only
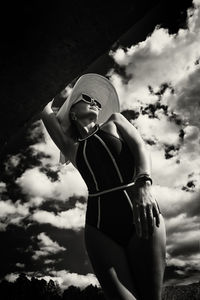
(97, 129)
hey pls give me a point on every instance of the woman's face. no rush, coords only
(85, 110)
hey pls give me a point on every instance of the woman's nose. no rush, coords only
(93, 102)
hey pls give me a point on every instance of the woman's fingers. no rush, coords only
(150, 219)
(137, 220)
(144, 222)
(156, 214)
(144, 219)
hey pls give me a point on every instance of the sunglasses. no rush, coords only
(90, 100)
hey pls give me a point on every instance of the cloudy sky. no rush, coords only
(42, 206)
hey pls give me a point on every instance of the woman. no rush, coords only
(124, 231)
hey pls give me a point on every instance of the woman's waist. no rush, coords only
(108, 190)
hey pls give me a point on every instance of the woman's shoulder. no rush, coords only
(114, 120)
(118, 118)
(111, 120)
(122, 122)
(116, 115)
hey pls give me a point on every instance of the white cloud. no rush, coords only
(36, 201)
(159, 130)
(186, 101)
(162, 58)
(6, 207)
(49, 261)
(182, 228)
(3, 226)
(65, 279)
(48, 146)
(12, 213)
(20, 265)
(174, 201)
(11, 277)
(176, 262)
(191, 144)
(47, 246)
(2, 187)
(69, 219)
(35, 183)
(39, 187)
(70, 183)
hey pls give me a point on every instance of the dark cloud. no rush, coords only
(16, 163)
(190, 186)
(190, 206)
(121, 71)
(130, 114)
(171, 273)
(15, 242)
(178, 15)
(162, 89)
(171, 150)
(178, 275)
(53, 175)
(187, 100)
(185, 248)
(74, 259)
(52, 205)
(18, 246)
(193, 208)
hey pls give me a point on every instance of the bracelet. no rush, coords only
(143, 177)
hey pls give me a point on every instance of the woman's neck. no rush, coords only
(87, 130)
(80, 130)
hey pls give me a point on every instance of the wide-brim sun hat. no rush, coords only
(97, 87)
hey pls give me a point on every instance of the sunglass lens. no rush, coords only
(87, 98)
(90, 100)
(97, 104)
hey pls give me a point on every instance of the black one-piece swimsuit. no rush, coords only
(105, 161)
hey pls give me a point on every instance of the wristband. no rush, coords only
(143, 177)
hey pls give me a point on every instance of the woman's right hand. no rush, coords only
(48, 107)
(145, 209)
(53, 127)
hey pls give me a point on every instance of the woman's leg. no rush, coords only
(147, 262)
(110, 265)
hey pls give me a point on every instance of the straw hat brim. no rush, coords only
(96, 86)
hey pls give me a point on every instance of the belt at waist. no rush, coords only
(121, 187)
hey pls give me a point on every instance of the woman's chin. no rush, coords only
(92, 115)
(89, 119)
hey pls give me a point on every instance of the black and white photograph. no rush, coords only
(99, 150)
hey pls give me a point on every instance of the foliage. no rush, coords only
(23, 288)
(31, 289)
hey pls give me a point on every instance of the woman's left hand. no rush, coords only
(145, 209)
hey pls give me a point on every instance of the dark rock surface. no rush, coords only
(45, 45)
(182, 292)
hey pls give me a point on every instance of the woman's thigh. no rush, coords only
(147, 262)
(110, 265)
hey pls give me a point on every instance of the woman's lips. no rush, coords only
(94, 108)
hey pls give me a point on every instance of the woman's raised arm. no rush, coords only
(55, 130)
